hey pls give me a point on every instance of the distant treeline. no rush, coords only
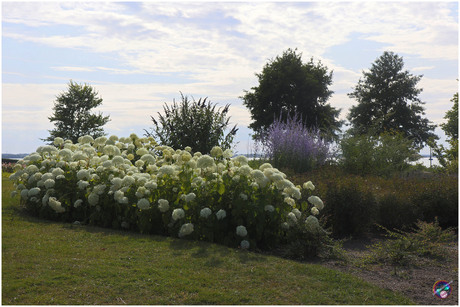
(12, 158)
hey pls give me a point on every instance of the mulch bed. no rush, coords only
(415, 282)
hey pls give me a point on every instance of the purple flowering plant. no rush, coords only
(290, 144)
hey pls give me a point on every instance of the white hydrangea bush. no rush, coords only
(133, 183)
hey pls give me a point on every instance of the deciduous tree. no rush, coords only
(448, 157)
(287, 86)
(72, 115)
(451, 126)
(388, 100)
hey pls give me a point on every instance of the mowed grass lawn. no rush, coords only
(54, 263)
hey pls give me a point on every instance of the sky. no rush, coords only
(140, 55)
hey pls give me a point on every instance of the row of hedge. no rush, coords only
(355, 204)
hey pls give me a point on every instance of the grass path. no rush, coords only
(53, 263)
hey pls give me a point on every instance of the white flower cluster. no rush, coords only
(132, 172)
(221, 214)
(163, 205)
(241, 231)
(317, 204)
(185, 229)
(178, 214)
(205, 213)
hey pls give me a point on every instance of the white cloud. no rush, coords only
(186, 41)
(26, 107)
(443, 87)
(71, 68)
(343, 79)
(95, 68)
(29, 95)
(342, 102)
(29, 105)
(422, 68)
(219, 47)
(437, 94)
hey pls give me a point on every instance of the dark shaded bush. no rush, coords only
(437, 197)
(350, 209)
(400, 200)
(396, 211)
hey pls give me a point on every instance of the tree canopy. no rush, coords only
(388, 101)
(448, 157)
(288, 87)
(71, 114)
(451, 126)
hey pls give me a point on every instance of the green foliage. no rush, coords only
(287, 87)
(351, 208)
(395, 210)
(197, 124)
(384, 155)
(72, 117)
(405, 248)
(132, 183)
(426, 197)
(430, 235)
(448, 157)
(47, 263)
(307, 244)
(400, 199)
(398, 252)
(436, 198)
(451, 126)
(388, 100)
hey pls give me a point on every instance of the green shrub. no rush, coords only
(357, 154)
(195, 124)
(398, 251)
(432, 239)
(132, 183)
(437, 197)
(396, 211)
(401, 200)
(306, 244)
(350, 209)
(381, 155)
(427, 240)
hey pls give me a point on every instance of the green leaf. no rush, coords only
(221, 189)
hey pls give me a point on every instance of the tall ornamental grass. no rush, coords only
(198, 124)
(289, 144)
(132, 183)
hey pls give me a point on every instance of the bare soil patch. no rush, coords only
(415, 282)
